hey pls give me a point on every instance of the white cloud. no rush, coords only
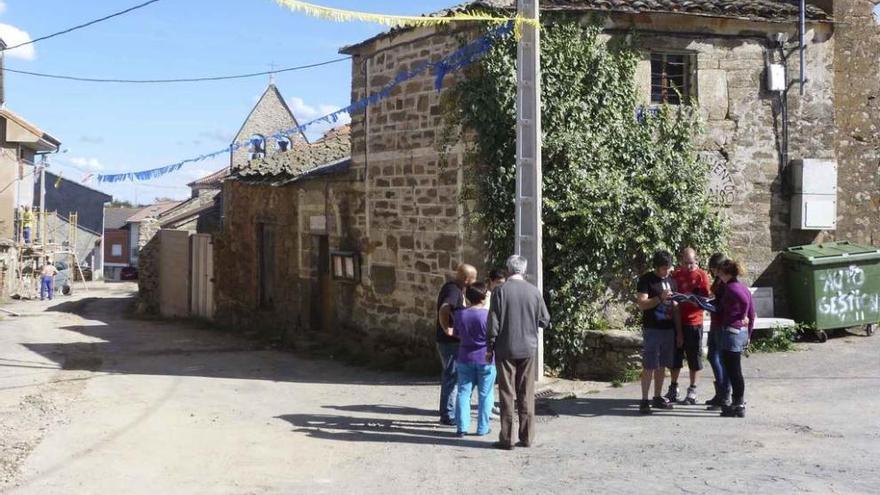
(12, 36)
(90, 164)
(305, 113)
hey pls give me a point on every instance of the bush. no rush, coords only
(782, 339)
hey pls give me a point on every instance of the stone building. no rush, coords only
(268, 116)
(287, 216)
(394, 208)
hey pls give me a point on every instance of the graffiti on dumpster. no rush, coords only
(843, 296)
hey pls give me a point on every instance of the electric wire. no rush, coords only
(177, 80)
(80, 26)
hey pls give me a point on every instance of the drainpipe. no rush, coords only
(367, 249)
(802, 29)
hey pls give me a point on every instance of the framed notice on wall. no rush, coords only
(345, 266)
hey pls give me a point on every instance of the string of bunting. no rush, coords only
(341, 15)
(455, 61)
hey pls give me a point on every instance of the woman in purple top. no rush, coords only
(737, 318)
(473, 369)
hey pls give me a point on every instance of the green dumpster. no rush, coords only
(834, 285)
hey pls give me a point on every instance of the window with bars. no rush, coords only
(672, 78)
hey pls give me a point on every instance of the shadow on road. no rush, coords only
(598, 406)
(385, 409)
(112, 343)
(382, 430)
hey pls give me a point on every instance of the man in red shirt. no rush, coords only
(689, 279)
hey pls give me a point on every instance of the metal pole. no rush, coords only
(528, 153)
(803, 30)
(42, 216)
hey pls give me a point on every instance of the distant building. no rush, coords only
(202, 212)
(117, 254)
(126, 231)
(65, 198)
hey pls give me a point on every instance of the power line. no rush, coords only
(80, 26)
(178, 80)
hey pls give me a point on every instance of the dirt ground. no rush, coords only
(93, 403)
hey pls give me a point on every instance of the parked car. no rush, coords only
(128, 273)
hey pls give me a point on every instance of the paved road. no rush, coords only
(100, 404)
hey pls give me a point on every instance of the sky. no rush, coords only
(109, 128)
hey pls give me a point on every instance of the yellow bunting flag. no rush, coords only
(58, 182)
(340, 15)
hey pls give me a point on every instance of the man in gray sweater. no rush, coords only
(516, 311)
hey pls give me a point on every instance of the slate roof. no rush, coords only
(282, 168)
(152, 211)
(186, 213)
(751, 10)
(116, 218)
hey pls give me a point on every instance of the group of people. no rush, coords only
(488, 331)
(672, 302)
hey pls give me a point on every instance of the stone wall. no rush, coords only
(857, 114)
(291, 211)
(609, 355)
(413, 225)
(148, 267)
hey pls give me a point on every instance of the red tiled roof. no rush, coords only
(212, 180)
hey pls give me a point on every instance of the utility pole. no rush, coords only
(528, 153)
(42, 217)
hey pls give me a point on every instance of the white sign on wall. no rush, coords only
(318, 224)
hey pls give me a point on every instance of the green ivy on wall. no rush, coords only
(616, 188)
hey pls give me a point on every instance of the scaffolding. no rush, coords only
(45, 247)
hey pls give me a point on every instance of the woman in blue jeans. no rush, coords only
(469, 325)
(737, 323)
(722, 385)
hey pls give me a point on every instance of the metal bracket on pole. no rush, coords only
(528, 153)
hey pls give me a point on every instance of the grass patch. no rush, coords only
(629, 375)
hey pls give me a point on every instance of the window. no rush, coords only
(116, 250)
(283, 143)
(258, 146)
(671, 78)
(345, 266)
